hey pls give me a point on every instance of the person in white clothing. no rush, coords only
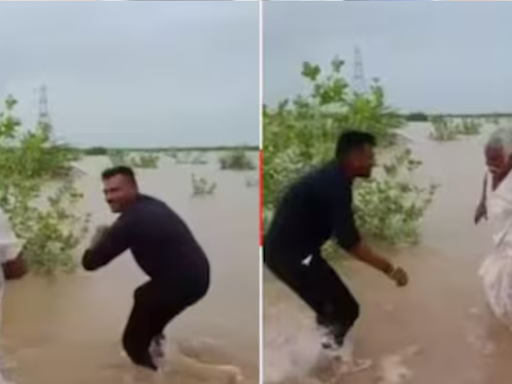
(11, 259)
(496, 270)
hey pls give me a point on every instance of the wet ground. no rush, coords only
(438, 329)
(68, 330)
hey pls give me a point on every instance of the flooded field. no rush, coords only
(68, 330)
(438, 329)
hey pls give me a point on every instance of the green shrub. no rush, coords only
(443, 129)
(148, 161)
(470, 127)
(301, 133)
(41, 209)
(118, 158)
(236, 160)
(387, 205)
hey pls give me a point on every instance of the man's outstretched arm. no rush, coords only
(107, 244)
(349, 239)
(364, 253)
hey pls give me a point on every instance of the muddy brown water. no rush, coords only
(438, 329)
(68, 330)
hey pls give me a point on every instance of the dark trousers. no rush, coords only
(155, 305)
(317, 284)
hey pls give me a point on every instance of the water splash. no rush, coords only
(294, 353)
(392, 369)
(291, 350)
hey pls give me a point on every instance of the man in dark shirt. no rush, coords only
(163, 247)
(314, 209)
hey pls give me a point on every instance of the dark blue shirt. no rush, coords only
(161, 243)
(314, 209)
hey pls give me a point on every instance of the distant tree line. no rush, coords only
(103, 151)
(416, 117)
(419, 117)
(96, 151)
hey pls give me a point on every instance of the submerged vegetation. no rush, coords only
(202, 187)
(252, 182)
(236, 160)
(301, 133)
(448, 129)
(38, 194)
(143, 160)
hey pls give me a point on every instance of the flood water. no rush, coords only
(69, 330)
(438, 329)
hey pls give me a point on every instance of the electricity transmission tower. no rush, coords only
(44, 114)
(358, 81)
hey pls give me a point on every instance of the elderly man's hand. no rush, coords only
(480, 212)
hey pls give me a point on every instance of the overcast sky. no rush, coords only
(444, 56)
(135, 73)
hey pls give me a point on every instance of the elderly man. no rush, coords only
(496, 270)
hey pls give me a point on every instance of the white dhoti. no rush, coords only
(496, 270)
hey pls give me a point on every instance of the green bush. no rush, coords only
(301, 133)
(118, 158)
(470, 127)
(147, 160)
(443, 129)
(236, 160)
(41, 209)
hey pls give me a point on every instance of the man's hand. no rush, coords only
(481, 212)
(365, 254)
(98, 234)
(399, 276)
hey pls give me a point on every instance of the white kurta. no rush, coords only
(496, 270)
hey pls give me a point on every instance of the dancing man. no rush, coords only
(164, 248)
(315, 208)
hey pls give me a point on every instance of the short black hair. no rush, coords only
(122, 170)
(352, 140)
